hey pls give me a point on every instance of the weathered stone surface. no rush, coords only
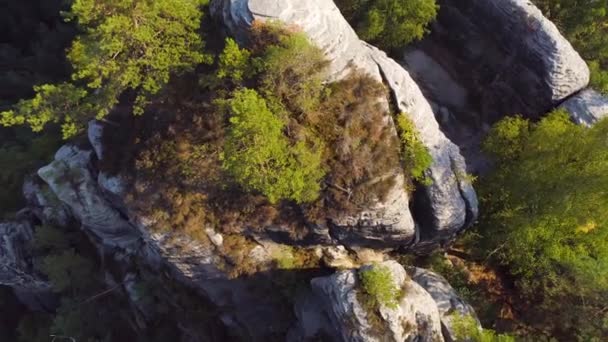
(75, 185)
(415, 319)
(447, 300)
(484, 60)
(505, 54)
(450, 200)
(587, 107)
(42, 202)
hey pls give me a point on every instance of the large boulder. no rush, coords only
(416, 318)
(446, 206)
(504, 56)
(587, 107)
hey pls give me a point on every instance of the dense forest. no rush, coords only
(213, 131)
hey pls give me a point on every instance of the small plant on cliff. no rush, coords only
(377, 282)
(415, 155)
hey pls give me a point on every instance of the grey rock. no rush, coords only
(16, 268)
(43, 203)
(75, 185)
(587, 107)
(505, 54)
(311, 322)
(416, 318)
(95, 135)
(451, 200)
(447, 300)
(484, 60)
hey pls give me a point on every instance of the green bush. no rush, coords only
(391, 24)
(377, 281)
(466, 329)
(292, 71)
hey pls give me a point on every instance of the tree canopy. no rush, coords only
(546, 214)
(260, 157)
(124, 45)
(389, 23)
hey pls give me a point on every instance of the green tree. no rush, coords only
(585, 24)
(546, 214)
(234, 62)
(391, 24)
(259, 156)
(125, 44)
(68, 270)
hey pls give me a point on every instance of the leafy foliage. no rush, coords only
(377, 281)
(416, 156)
(467, 329)
(233, 62)
(585, 24)
(546, 214)
(126, 44)
(389, 23)
(259, 156)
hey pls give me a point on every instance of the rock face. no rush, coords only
(75, 185)
(504, 53)
(587, 107)
(450, 202)
(447, 300)
(487, 59)
(415, 319)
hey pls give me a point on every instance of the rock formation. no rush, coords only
(416, 317)
(512, 61)
(446, 206)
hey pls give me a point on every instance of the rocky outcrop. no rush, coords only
(587, 107)
(447, 300)
(486, 59)
(416, 318)
(450, 202)
(72, 181)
